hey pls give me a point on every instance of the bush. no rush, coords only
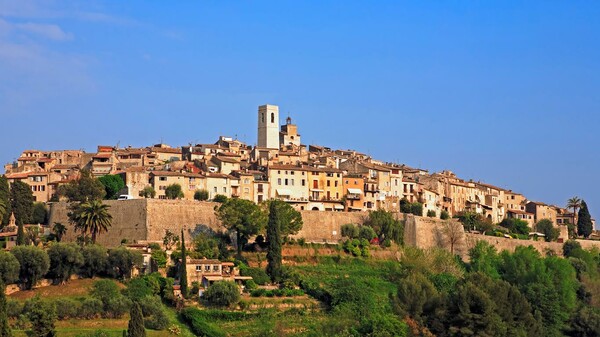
(258, 275)
(301, 242)
(250, 285)
(220, 198)
(350, 231)
(367, 233)
(67, 308)
(152, 309)
(199, 325)
(160, 257)
(90, 308)
(14, 308)
(201, 195)
(222, 294)
(444, 215)
(431, 213)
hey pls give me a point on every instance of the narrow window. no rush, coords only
(272, 117)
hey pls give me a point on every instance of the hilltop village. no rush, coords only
(309, 177)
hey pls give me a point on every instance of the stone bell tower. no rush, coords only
(268, 126)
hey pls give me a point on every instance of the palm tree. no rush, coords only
(574, 203)
(92, 217)
(59, 230)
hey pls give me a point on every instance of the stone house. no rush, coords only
(207, 271)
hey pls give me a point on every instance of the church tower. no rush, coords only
(268, 126)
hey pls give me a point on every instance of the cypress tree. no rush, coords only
(20, 233)
(274, 248)
(5, 199)
(584, 221)
(135, 328)
(183, 282)
(4, 327)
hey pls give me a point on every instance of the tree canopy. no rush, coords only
(584, 221)
(91, 217)
(85, 189)
(21, 201)
(113, 183)
(243, 217)
(174, 191)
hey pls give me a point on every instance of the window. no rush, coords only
(215, 189)
(292, 182)
(328, 183)
(303, 182)
(162, 178)
(207, 267)
(246, 190)
(198, 268)
(216, 267)
(224, 189)
(260, 188)
(286, 182)
(263, 117)
(272, 117)
(278, 181)
(335, 183)
(292, 172)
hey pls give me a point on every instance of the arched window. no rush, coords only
(272, 117)
(263, 117)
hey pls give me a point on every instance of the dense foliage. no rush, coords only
(113, 183)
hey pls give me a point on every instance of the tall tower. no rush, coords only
(268, 126)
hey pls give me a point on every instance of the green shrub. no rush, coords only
(444, 215)
(67, 308)
(90, 308)
(201, 195)
(222, 294)
(14, 308)
(250, 285)
(258, 275)
(431, 213)
(199, 325)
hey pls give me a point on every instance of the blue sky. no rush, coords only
(505, 92)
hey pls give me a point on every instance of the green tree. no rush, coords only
(570, 247)
(243, 217)
(222, 294)
(84, 189)
(516, 226)
(4, 327)
(431, 213)
(417, 298)
(174, 191)
(350, 231)
(42, 315)
(416, 208)
(201, 195)
(367, 233)
(4, 199)
(33, 264)
(95, 260)
(484, 259)
(121, 262)
(444, 215)
(20, 233)
(274, 237)
(9, 268)
(183, 281)
(170, 240)
(113, 183)
(584, 221)
(65, 260)
(546, 227)
(148, 192)
(39, 213)
(21, 201)
(59, 231)
(220, 198)
(91, 217)
(386, 227)
(206, 246)
(3, 209)
(135, 328)
(290, 219)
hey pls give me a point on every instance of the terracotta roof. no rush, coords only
(17, 175)
(227, 159)
(27, 159)
(64, 166)
(166, 150)
(176, 174)
(102, 155)
(204, 261)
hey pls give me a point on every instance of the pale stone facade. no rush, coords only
(268, 126)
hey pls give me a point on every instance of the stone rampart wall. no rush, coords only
(148, 220)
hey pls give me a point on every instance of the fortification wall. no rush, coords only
(129, 221)
(148, 220)
(326, 226)
(175, 215)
